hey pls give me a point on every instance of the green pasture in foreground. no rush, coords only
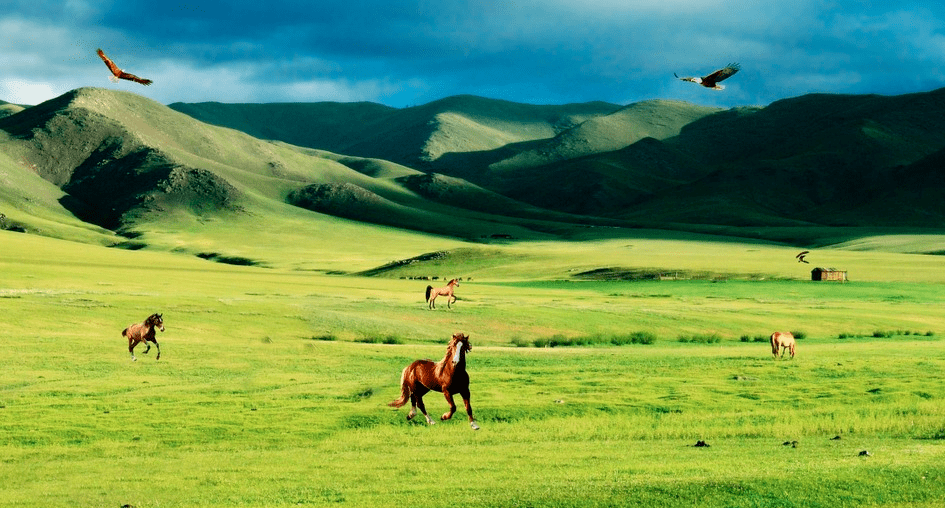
(270, 391)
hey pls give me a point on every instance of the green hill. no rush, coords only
(97, 162)
(649, 119)
(7, 109)
(819, 159)
(406, 136)
(117, 168)
(812, 160)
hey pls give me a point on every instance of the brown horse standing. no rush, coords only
(448, 376)
(446, 291)
(144, 332)
(781, 341)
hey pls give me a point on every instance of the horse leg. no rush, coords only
(413, 406)
(448, 299)
(131, 349)
(158, 346)
(449, 399)
(472, 421)
(432, 302)
(423, 409)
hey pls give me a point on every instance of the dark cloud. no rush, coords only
(413, 51)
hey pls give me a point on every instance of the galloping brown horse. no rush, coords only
(446, 291)
(781, 341)
(144, 332)
(448, 376)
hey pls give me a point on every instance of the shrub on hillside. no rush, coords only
(634, 338)
(701, 338)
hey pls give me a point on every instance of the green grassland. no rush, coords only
(273, 381)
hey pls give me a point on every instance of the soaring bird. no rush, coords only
(118, 73)
(800, 257)
(712, 80)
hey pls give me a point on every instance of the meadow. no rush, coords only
(274, 379)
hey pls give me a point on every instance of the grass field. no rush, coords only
(273, 381)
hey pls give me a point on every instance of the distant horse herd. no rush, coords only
(447, 376)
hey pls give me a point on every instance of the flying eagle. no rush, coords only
(800, 257)
(118, 73)
(712, 80)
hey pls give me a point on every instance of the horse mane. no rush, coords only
(451, 350)
(442, 364)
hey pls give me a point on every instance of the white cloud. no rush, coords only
(23, 92)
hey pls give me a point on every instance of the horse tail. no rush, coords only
(124, 333)
(429, 290)
(404, 390)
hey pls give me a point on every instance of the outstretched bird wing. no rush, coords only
(136, 79)
(720, 74)
(108, 61)
(120, 74)
(803, 253)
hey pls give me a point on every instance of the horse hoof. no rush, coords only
(474, 425)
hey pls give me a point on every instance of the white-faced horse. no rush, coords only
(448, 376)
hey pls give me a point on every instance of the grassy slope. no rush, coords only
(409, 135)
(648, 119)
(110, 129)
(264, 172)
(820, 159)
(811, 160)
(7, 109)
(33, 204)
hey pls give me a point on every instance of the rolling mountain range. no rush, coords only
(811, 160)
(470, 167)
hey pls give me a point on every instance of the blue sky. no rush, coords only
(409, 52)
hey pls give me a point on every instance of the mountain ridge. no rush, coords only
(472, 167)
(122, 161)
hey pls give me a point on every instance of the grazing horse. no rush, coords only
(780, 341)
(446, 291)
(144, 332)
(448, 376)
